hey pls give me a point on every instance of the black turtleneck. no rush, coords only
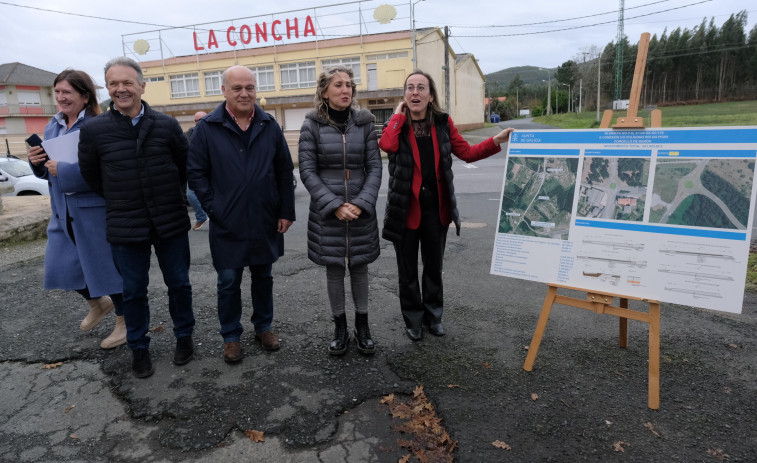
(339, 118)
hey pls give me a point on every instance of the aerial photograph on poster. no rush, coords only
(538, 196)
(713, 193)
(613, 188)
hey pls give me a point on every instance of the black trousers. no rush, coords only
(422, 307)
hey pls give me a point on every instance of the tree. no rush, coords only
(516, 85)
(567, 73)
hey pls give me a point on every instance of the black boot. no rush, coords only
(341, 336)
(363, 334)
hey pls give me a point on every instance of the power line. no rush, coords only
(555, 20)
(586, 25)
(48, 10)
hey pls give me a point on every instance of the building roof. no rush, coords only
(18, 73)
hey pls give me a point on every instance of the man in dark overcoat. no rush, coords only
(241, 170)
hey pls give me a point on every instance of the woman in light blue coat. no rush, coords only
(78, 257)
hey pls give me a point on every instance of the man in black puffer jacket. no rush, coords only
(136, 159)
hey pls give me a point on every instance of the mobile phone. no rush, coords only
(34, 140)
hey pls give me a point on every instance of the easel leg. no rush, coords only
(654, 355)
(623, 327)
(541, 325)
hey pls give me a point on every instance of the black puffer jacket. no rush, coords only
(140, 171)
(324, 156)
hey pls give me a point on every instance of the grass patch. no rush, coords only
(736, 113)
(751, 273)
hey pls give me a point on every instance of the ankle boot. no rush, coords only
(363, 334)
(98, 308)
(117, 337)
(341, 336)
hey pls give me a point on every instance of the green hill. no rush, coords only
(529, 75)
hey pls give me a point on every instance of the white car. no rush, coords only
(18, 174)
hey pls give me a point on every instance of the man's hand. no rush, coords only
(284, 225)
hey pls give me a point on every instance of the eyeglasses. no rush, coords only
(413, 88)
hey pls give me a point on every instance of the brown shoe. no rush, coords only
(232, 352)
(198, 225)
(268, 340)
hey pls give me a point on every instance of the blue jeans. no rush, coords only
(133, 263)
(200, 215)
(230, 300)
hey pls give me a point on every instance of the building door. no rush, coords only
(372, 76)
(382, 115)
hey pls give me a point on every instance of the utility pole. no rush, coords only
(580, 92)
(599, 67)
(446, 70)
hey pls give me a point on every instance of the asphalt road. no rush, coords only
(585, 400)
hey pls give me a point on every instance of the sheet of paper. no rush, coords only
(64, 148)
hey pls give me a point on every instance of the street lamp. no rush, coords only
(549, 91)
(412, 29)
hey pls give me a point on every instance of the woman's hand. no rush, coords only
(52, 167)
(400, 108)
(35, 155)
(503, 136)
(347, 212)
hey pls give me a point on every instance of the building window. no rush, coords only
(298, 75)
(3, 99)
(155, 79)
(185, 86)
(352, 63)
(213, 82)
(264, 78)
(393, 55)
(28, 98)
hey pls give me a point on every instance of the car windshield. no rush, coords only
(16, 168)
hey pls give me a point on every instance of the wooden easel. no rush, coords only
(602, 303)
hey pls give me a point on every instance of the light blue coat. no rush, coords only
(89, 262)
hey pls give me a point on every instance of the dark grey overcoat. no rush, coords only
(325, 158)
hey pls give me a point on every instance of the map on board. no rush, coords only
(703, 192)
(538, 197)
(613, 188)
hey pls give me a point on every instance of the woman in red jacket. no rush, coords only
(420, 140)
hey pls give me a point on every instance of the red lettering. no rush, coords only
(263, 32)
(292, 28)
(309, 27)
(273, 30)
(245, 30)
(212, 40)
(197, 47)
(230, 41)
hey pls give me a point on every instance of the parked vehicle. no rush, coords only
(18, 174)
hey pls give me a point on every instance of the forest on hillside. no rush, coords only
(684, 66)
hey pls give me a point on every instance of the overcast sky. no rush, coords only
(552, 31)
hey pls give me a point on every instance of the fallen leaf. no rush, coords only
(50, 366)
(387, 399)
(255, 436)
(157, 329)
(608, 423)
(534, 396)
(620, 446)
(452, 385)
(73, 436)
(488, 366)
(718, 453)
(69, 408)
(405, 459)
(501, 445)
(652, 428)
(418, 391)
(734, 346)
(526, 347)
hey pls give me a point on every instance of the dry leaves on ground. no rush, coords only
(426, 438)
(156, 329)
(73, 436)
(255, 436)
(486, 365)
(51, 366)
(718, 453)
(620, 446)
(534, 396)
(69, 408)
(652, 428)
(501, 445)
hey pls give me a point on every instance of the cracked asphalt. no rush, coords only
(584, 399)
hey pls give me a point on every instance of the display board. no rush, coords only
(662, 214)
